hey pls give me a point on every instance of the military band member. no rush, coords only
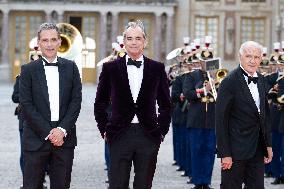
(178, 121)
(277, 125)
(200, 122)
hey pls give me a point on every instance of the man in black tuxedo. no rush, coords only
(134, 83)
(50, 96)
(242, 125)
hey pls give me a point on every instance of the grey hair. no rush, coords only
(247, 44)
(47, 26)
(137, 23)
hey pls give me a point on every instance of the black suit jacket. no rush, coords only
(35, 102)
(239, 126)
(114, 85)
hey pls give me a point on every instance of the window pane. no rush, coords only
(207, 26)
(25, 29)
(253, 29)
(253, 1)
(89, 40)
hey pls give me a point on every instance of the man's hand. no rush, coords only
(207, 86)
(56, 137)
(226, 163)
(181, 97)
(276, 87)
(270, 155)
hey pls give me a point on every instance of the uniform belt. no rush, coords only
(207, 99)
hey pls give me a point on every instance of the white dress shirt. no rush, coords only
(52, 80)
(253, 89)
(135, 77)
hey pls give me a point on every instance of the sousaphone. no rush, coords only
(71, 41)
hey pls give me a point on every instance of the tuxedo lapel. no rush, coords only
(61, 72)
(124, 81)
(246, 90)
(261, 91)
(42, 79)
(147, 77)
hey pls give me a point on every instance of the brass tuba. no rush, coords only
(71, 41)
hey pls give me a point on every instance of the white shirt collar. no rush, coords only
(54, 61)
(254, 75)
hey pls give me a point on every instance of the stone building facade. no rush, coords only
(230, 22)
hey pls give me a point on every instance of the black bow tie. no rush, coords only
(250, 78)
(49, 64)
(134, 62)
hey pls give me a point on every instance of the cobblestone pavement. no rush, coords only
(88, 170)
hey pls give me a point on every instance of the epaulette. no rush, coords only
(121, 54)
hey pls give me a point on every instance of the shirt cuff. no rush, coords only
(63, 130)
(46, 138)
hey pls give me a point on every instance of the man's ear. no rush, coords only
(145, 43)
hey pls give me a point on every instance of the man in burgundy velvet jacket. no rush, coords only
(134, 84)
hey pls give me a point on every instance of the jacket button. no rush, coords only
(136, 106)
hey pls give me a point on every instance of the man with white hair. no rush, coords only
(242, 129)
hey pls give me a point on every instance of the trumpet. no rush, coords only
(221, 74)
(215, 82)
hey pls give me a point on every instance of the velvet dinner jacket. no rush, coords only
(114, 85)
(36, 107)
(239, 125)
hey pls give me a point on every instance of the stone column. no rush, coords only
(170, 32)
(275, 29)
(103, 31)
(5, 72)
(114, 27)
(60, 18)
(48, 16)
(157, 37)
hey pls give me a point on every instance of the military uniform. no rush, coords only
(201, 125)
(16, 99)
(277, 127)
(178, 122)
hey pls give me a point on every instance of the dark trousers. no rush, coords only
(175, 141)
(178, 144)
(134, 146)
(107, 158)
(250, 171)
(277, 163)
(188, 154)
(21, 152)
(60, 167)
(182, 142)
(202, 148)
